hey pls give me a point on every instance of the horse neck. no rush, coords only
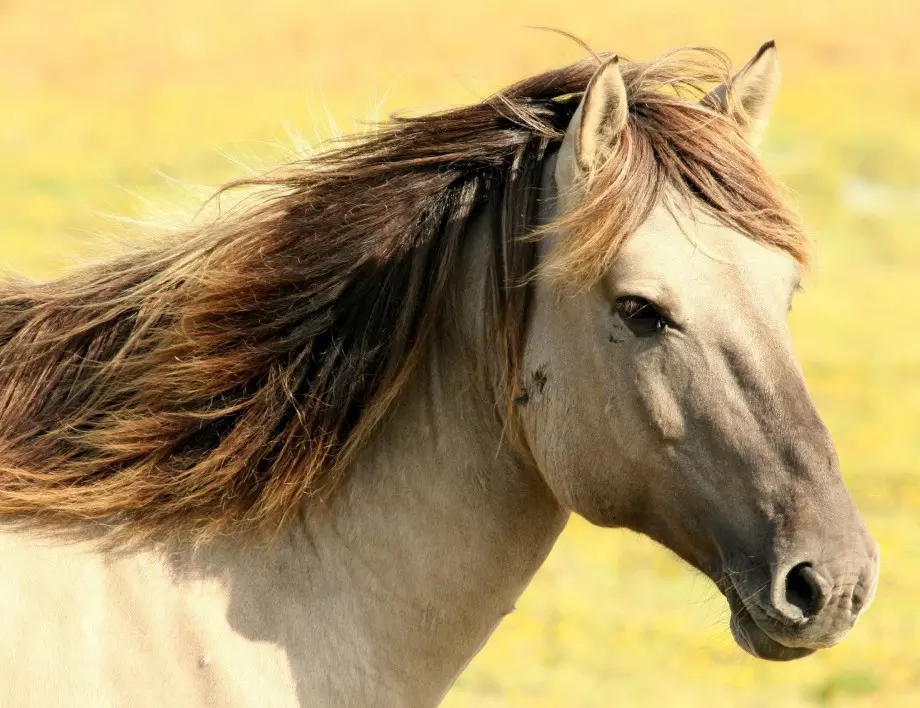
(389, 589)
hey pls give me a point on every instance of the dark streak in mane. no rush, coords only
(219, 381)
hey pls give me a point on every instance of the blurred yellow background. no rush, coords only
(99, 98)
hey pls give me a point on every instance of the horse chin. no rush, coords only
(756, 642)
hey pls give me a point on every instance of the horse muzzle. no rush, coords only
(804, 607)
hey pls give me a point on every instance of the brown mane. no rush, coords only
(222, 379)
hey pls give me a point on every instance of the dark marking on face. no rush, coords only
(539, 378)
(619, 332)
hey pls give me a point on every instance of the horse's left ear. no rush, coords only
(601, 116)
(596, 126)
(749, 96)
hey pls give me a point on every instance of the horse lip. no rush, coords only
(756, 642)
(750, 636)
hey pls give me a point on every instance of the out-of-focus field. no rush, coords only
(99, 97)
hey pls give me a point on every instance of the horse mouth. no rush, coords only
(756, 642)
(751, 637)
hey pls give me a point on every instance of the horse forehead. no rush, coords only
(684, 251)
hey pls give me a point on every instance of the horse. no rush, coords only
(311, 450)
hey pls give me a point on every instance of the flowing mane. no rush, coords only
(226, 377)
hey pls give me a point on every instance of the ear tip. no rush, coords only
(610, 70)
(766, 58)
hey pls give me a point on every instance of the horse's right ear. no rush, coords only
(749, 96)
(600, 118)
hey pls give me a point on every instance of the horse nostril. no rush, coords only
(803, 590)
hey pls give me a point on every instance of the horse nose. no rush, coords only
(803, 593)
(804, 590)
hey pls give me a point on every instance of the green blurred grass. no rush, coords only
(97, 97)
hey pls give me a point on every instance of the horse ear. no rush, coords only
(749, 96)
(601, 117)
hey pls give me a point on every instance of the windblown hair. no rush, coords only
(223, 379)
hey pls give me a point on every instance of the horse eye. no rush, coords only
(641, 316)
